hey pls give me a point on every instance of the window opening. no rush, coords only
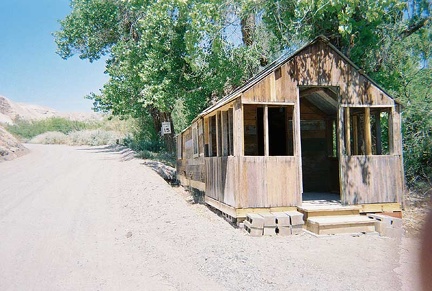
(379, 131)
(280, 130)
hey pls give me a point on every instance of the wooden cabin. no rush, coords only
(311, 121)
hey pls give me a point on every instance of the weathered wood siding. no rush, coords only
(372, 179)
(244, 182)
(317, 65)
(192, 167)
(221, 173)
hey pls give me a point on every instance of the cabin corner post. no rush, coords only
(266, 132)
(297, 144)
(395, 144)
(341, 151)
(395, 131)
(238, 132)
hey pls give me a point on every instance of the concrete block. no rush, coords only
(270, 230)
(255, 220)
(389, 221)
(282, 219)
(296, 229)
(380, 226)
(296, 217)
(269, 219)
(284, 230)
(251, 230)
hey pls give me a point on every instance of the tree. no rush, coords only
(158, 53)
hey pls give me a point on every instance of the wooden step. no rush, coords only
(327, 210)
(340, 224)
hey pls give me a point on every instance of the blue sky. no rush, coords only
(30, 70)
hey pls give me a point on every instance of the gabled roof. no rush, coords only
(276, 64)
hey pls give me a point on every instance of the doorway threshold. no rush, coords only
(321, 199)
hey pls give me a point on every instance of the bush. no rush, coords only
(94, 137)
(85, 137)
(51, 137)
(29, 129)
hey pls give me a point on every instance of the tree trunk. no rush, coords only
(159, 117)
(247, 23)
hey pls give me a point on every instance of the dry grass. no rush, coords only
(85, 137)
(417, 206)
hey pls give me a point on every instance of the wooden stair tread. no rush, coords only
(341, 219)
(340, 224)
(327, 208)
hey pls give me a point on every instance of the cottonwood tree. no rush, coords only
(160, 52)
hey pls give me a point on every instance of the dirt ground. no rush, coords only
(97, 219)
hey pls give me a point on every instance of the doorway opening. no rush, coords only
(318, 129)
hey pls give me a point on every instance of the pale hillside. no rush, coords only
(10, 147)
(10, 111)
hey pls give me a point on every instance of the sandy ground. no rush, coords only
(96, 219)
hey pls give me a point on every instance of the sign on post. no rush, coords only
(166, 128)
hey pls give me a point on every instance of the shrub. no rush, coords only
(94, 137)
(51, 137)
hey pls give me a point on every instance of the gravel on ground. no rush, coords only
(95, 218)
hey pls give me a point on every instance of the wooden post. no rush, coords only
(347, 131)
(355, 134)
(266, 132)
(297, 143)
(238, 131)
(367, 132)
(378, 133)
(230, 132)
(340, 134)
(340, 150)
(218, 144)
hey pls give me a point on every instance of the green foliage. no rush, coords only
(29, 129)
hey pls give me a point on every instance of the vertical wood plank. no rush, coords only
(395, 138)
(347, 131)
(218, 153)
(272, 87)
(340, 151)
(230, 132)
(266, 132)
(355, 134)
(238, 128)
(367, 132)
(297, 142)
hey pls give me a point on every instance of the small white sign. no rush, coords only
(166, 128)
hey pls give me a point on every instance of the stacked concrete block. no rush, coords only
(296, 221)
(283, 223)
(254, 224)
(387, 225)
(270, 226)
(276, 223)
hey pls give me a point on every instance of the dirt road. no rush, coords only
(95, 219)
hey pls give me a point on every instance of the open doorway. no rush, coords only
(320, 165)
